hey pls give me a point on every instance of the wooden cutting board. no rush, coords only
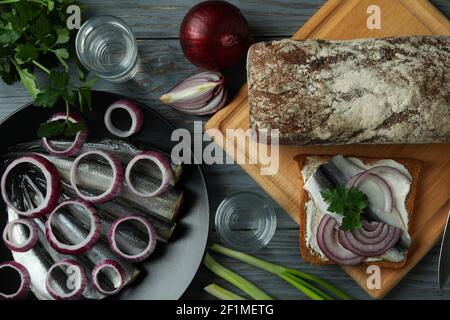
(346, 19)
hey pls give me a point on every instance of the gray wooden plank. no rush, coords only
(165, 66)
(420, 283)
(161, 19)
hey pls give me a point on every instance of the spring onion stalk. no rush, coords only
(294, 277)
(235, 279)
(222, 293)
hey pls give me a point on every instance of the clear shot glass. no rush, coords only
(106, 46)
(245, 221)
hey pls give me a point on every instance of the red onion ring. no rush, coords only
(26, 245)
(137, 118)
(80, 285)
(77, 143)
(370, 247)
(382, 184)
(389, 170)
(79, 248)
(53, 185)
(116, 183)
(331, 248)
(25, 281)
(152, 236)
(163, 164)
(111, 264)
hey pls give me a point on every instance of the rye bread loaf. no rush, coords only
(391, 90)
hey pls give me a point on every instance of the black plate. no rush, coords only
(170, 270)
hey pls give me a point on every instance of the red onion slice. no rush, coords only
(137, 118)
(369, 226)
(29, 243)
(163, 164)
(370, 247)
(76, 280)
(86, 244)
(25, 281)
(116, 183)
(383, 186)
(328, 244)
(77, 143)
(152, 236)
(389, 170)
(52, 180)
(113, 266)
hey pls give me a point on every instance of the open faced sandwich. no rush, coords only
(356, 210)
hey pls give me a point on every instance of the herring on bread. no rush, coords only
(390, 240)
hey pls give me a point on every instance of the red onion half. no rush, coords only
(76, 280)
(25, 281)
(86, 244)
(52, 183)
(152, 236)
(28, 243)
(200, 94)
(331, 248)
(77, 143)
(116, 183)
(163, 164)
(112, 266)
(214, 35)
(137, 118)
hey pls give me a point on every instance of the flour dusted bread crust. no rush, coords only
(391, 90)
(413, 167)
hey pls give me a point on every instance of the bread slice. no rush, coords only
(413, 166)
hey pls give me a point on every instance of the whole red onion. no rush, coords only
(214, 34)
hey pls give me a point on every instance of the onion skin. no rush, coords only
(82, 281)
(25, 284)
(111, 264)
(94, 233)
(78, 142)
(214, 35)
(53, 186)
(32, 240)
(152, 236)
(137, 118)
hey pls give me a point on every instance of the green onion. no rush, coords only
(294, 277)
(235, 279)
(221, 293)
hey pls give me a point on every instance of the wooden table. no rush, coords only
(156, 23)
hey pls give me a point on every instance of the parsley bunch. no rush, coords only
(34, 35)
(348, 202)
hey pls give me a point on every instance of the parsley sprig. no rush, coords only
(348, 202)
(34, 36)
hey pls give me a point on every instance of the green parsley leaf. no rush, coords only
(59, 128)
(348, 202)
(48, 97)
(28, 80)
(25, 53)
(63, 35)
(59, 79)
